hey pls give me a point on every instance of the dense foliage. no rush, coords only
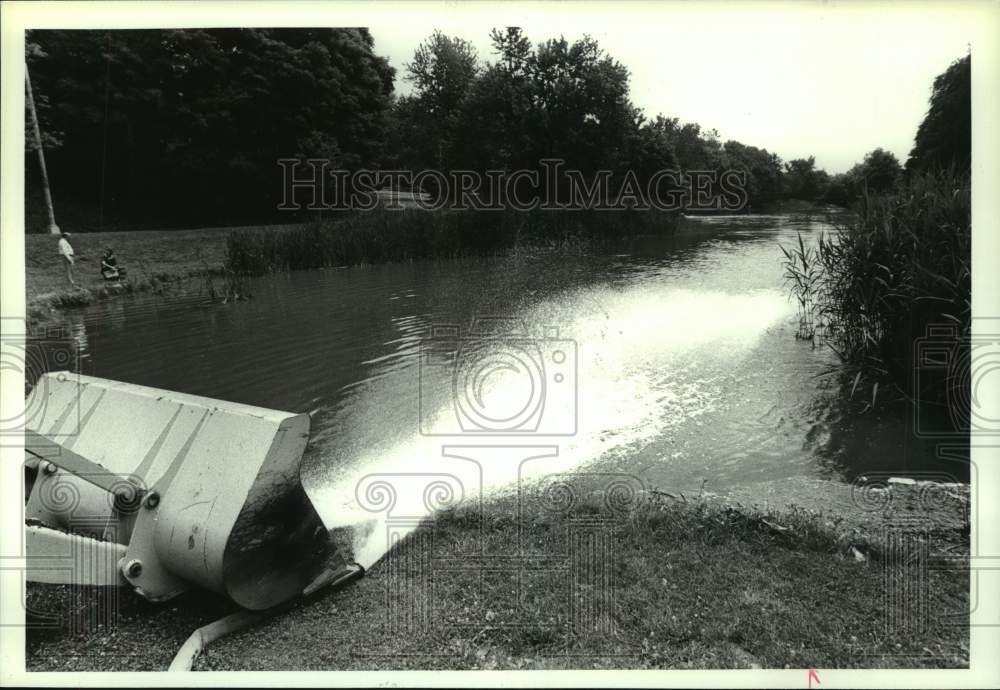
(556, 99)
(943, 141)
(902, 266)
(944, 138)
(183, 127)
(899, 274)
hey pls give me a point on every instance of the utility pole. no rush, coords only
(53, 228)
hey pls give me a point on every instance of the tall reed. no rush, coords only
(803, 275)
(881, 281)
(382, 236)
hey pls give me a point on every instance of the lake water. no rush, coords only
(669, 361)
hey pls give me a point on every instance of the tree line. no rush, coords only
(895, 281)
(168, 127)
(181, 127)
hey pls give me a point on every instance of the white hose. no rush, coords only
(206, 634)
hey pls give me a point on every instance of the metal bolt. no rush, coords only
(49, 468)
(152, 500)
(134, 568)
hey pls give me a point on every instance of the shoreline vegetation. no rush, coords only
(382, 236)
(690, 584)
(215, 260)
(891, 283)
(891, 291)
(155, 260)
(795, 574)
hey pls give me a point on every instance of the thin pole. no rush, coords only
(104, 144)
(53, 228)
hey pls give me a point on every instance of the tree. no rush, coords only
(944, 137)
(442, 71)
(880, 172)
(650, 150)
(496, 124)
(568, 101)
(695, 150)
(762, 168)
(801, 180)
(185, 126)
(582, 104)
(840, 190)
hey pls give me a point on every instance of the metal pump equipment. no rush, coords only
(165, 491)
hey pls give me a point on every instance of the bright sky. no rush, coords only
(834, 80)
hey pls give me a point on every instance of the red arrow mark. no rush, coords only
(813, 676)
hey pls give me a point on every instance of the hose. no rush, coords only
(205, 635)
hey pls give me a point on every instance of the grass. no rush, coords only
(383, 236)
(154, 260)
(161, 260)
(877, 286)
(672, 584)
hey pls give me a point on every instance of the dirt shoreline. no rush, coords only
(714, 582)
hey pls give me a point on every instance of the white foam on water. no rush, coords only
(640, 371)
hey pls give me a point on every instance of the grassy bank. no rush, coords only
(382, 236)
(158, 260)
(676, 583)
(154, 259)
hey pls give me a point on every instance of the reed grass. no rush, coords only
(803, 275)
(877, 285)
(385, 236)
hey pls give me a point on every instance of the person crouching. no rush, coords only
(110, 270)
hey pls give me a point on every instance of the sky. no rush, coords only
(829, 79)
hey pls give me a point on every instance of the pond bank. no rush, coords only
(174, 259)
(687, 583)
(154, 259)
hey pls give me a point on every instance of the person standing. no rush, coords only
(66, 252)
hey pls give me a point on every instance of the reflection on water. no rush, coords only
(684, 367)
